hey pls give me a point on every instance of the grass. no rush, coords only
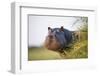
(41, 53)
(77, 50)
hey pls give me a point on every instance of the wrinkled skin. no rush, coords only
(58, 39)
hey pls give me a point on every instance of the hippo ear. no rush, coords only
(49, 28)
(62, 28)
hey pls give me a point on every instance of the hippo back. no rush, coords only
(68, 36)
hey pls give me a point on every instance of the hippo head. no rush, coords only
(55, 38)
(53, 32)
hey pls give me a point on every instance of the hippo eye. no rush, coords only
(54, 32)
(57, 30)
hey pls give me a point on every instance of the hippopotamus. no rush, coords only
(58, 39)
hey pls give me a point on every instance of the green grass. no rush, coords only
(77, 50)
(42, 54)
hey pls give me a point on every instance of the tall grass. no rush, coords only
(79, 49)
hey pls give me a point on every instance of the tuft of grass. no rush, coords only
(78, 50)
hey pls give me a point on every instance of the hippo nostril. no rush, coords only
(50, 36)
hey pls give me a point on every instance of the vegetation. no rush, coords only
(77, 50)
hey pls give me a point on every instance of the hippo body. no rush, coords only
(64, 37)
(58, 39)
